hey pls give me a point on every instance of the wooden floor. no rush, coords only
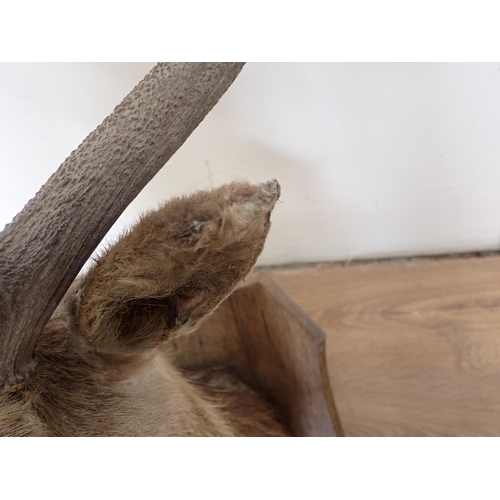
(413, 347)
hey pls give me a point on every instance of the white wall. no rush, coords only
(374, 160)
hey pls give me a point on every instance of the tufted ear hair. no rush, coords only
(47, 243)
(174, 267)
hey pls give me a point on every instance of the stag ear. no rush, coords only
(46, 245)
(174, 267)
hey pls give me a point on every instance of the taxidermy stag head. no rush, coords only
(108, 352)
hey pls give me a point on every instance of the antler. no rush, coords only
(48, 242)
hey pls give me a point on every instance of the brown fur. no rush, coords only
(101, 367)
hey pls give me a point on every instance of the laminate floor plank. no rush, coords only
(413, 347)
